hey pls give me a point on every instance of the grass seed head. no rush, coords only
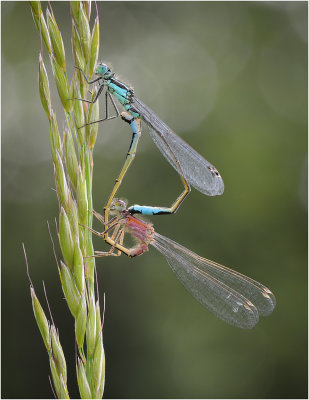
(83, 385)
(98, 318)
(87, 8)
(91, 327)
(81, 323)
(70, 290)
(93, 115)
(42, 27)
(75, 7)
(73, 219)
(84, 32)
(77, 49)
(89, 262)
(79, 270)
(41, 319)
(44, 88)
(98, 366)
(57, 354)
(66, 239)
(79, 117)
(55, 377)
(82, 201)
(70, 156)
(94, 50)
(36, 7)
(62, 84)
(55, 141)
(56, 40)
(63, 191)
(64, 390)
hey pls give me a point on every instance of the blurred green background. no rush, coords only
(231, 79)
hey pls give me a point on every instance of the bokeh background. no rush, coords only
(231, 79)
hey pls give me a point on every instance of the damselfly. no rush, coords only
(231, 296)
(192, 167)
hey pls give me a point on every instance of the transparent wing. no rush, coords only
(231, 296)
(199, 172)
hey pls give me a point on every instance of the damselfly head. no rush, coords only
(104, 71)
(118, 206)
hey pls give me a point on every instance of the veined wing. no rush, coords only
(199, 172)
(231, 296)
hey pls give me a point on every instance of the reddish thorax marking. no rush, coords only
(141, 231)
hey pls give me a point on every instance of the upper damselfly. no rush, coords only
(192, 167)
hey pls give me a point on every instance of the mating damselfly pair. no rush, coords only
(231, 296)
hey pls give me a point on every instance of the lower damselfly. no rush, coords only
(229, 295)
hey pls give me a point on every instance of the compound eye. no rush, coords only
(122, 204)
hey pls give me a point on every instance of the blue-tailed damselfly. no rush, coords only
(192, 167)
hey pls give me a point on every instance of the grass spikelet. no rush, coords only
(81, 323)
(55, 140)
(93, 115)
(70, 156)
(79, 269)
(98, 365)
(84, 388)
(81, 194)
(57, 353)
(44, 88)
(62, 84)
(91, 326)
(56, 40)
(41, 319)
(79, 117)
(94, 51)
(75, 7)
(63, 190)
(40, 23)
(66, 239)
(70, 290)
(77, 50)
(85, 35)
(58, 381)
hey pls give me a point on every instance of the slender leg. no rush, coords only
(121, 241)
(101, 218)
(85, 77)
(111, 240)
(101, 234)
(101, 87)
(93, 231)
(135, 124)
(116, 238)
(107, 117)
(114, 104)
(136, 129)
(118, 246)
(115, 243)
(147, 210)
